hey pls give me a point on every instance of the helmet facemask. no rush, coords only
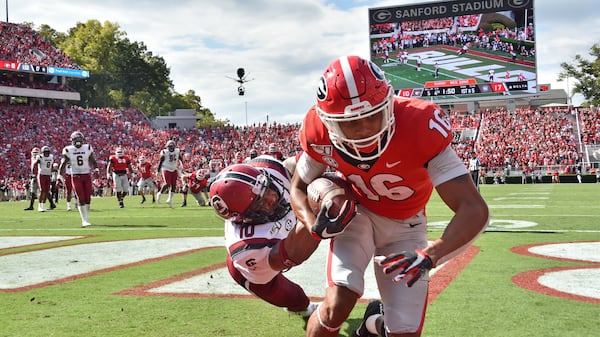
(367, 148)
(254, 214)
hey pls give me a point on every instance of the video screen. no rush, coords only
(456, 49)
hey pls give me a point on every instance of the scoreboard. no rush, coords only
(462, 87)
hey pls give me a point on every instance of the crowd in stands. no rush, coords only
(20, 43)
(528, 140)
(30, 81)
(106, 128)
(520, 140)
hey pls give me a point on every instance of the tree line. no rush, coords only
(124, 73)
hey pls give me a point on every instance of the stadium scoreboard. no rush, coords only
(462, 87)
(471, 48)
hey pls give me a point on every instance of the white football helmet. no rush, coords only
(77, 139)
(171, 145)
(350, 89)
(119, 152)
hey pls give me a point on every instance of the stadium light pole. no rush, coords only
(6, 11)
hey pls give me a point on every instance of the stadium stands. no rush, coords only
(508, 142)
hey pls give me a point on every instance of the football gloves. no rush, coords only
(406, 265)
(327, 227)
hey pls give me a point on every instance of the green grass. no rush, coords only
(482, 301)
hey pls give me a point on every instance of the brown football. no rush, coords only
(328, 187)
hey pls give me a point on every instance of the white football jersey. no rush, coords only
(45, 164)
(79, 158)
(171, 159)
(249, 245)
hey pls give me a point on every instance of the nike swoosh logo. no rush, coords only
(326, 235)
(413, 224)
(390, 165)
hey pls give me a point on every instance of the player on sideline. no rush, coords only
(394, 151)
(167, 166)
(81, 157)
(119, 164)
(254, 200)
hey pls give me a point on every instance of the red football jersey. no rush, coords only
(196, 185)
(119, 164)
(397, 184)
(145, 170)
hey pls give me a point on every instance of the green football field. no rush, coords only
(475, 65)
(148, 270)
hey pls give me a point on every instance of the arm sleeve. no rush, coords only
(309, 169)
(445, 166)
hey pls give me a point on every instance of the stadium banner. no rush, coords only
(8, 65)
(465, 49)
(68, 72)
(28, 68)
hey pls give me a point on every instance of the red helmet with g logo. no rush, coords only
(350, 89)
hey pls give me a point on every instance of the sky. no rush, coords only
(284, 46)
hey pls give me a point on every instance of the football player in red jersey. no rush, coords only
(119, 165)
(254, 200)
(146, 183)
(394, 151)
(194, 183)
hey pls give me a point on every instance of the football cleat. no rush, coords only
(374, 308)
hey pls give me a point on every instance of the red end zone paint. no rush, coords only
(530, 279)
(439, 281)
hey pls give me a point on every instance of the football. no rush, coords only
(328, 187)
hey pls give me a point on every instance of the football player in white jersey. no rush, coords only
(44, 163)
(81, 157)
(33, 184)
(254, 200)
(170, 157)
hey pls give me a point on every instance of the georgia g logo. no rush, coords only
(377, 72)
(322, 89)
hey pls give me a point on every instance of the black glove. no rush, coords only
(327, 227)
(408, 265)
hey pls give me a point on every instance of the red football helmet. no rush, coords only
(353, 88)
(236, 193)
(77, 139)
(35, 151)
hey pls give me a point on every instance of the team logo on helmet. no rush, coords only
(322, 89)
(220, 206)
(377, 72)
